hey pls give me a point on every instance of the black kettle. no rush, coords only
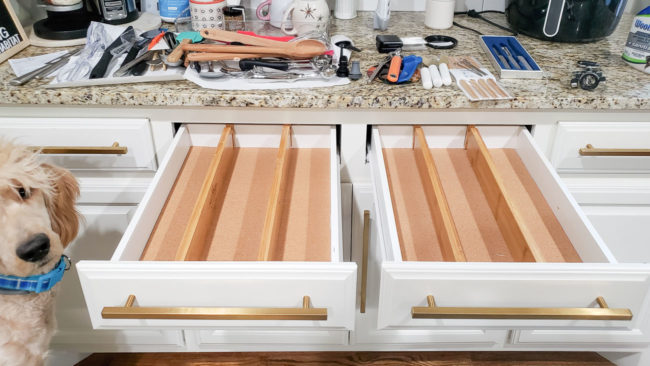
(565, 20)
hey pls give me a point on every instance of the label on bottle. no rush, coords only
(637, 47)
(171, 9)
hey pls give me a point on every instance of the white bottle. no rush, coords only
(637, 47)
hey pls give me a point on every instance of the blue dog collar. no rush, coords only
(36, 284)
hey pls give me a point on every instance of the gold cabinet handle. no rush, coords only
(589, 150)
(115, 149)
(603, 312)
(364, 260)
(128, 311)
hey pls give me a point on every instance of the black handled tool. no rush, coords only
(249, 64)
(99, 71)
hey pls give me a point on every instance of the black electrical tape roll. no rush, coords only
(432, 40)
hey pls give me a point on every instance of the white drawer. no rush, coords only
(222, 271)
(96, 134)
(495, 277)
(573, 136)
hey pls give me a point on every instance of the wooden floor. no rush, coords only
(349, 358)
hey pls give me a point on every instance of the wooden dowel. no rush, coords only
(518, 237)
(273, 209)
(446, 231)
(206, 208)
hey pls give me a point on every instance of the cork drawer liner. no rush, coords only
(457, 199)
(473, 222)
(233, 203)
(239, 219)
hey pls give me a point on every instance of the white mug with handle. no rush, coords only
(276, 9)
(306, 16)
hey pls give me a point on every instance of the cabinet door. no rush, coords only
(101, 230)
(625, 229)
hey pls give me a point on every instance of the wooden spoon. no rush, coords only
(301, 45)
(301, 52)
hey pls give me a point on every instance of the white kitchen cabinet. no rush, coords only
(101, 230)
(491, 285)
(131, 139)
(572, 137)
(231, 277)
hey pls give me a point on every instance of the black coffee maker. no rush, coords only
(565, 20)
(69, 19)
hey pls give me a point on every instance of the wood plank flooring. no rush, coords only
(349, 359)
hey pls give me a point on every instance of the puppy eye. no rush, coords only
(23, 193)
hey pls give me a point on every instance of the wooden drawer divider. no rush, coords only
(206, 209)
(273, 209)
(517, 235)
(445, 227)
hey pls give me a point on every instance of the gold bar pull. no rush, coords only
(128, 311)
(115, 149)
(364, 260)
(589, 150)
(603, 312)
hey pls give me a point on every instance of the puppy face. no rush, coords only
(37, 215)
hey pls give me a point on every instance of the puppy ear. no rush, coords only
(61, 208)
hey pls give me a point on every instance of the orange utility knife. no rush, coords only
(395, 67)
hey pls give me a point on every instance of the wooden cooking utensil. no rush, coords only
(226, 36)
(306, 50)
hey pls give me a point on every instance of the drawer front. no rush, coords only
(97, 134)
(330, 286)
(573, 136)
(243, 294)
(510, 285)
(499, 295)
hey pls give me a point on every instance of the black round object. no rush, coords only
(431, 40)
(60, 26)
(579, 20)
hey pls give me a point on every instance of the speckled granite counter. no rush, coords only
(626, 88)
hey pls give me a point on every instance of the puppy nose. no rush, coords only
(34, 249)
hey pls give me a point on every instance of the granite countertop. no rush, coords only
(626, 88)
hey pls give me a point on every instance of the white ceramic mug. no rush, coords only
(276, 9)
(307, 16)
(207, 14)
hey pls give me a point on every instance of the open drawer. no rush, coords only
(241, 227)
(478, 231)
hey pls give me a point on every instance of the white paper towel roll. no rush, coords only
(345, 9)
(439, 14)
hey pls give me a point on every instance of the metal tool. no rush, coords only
(211, 73)
(46, 69)
(125, 69)
(471, 67)
(154, 62)
(99, 71)
(512, 60)
(504, 62)
(380, 66)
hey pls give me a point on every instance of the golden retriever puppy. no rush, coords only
(37, 220)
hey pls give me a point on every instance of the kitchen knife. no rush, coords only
(99, 71)
(133, 53)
